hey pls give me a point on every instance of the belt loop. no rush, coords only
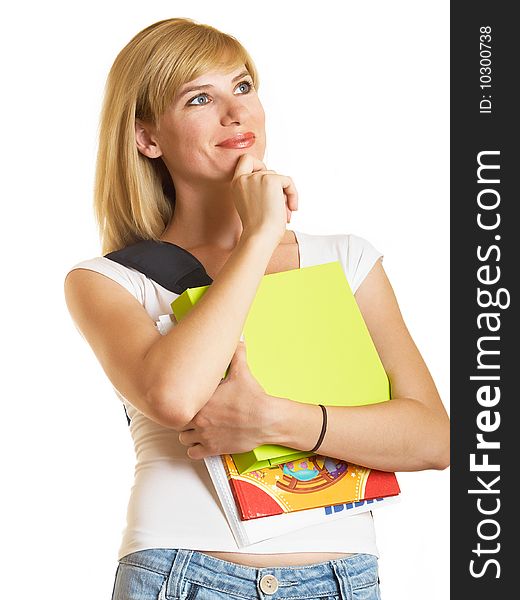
(341, 572)
(175, 581)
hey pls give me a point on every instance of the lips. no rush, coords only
(240, 140)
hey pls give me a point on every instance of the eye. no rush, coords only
(244, 87)
(193, 103)
(245, 84)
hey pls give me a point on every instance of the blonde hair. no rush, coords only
(134, 196)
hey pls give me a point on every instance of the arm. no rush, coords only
(158, 374)
(408, 433)
(170, 378)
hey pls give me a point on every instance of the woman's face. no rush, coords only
(201, 135)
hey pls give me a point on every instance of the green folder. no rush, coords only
(306, 340)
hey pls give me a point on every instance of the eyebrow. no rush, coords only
(183, 92)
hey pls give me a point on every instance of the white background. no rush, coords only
(356, 96)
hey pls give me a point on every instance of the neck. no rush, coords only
(205, 216)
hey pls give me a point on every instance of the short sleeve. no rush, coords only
(361, 257)
(118, 273)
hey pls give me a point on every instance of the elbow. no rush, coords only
(436, 443)
(444, 454)
(440, 458)
(430, 460)
(445, 458)
(442, 461)
(169, 409)
(432, 450)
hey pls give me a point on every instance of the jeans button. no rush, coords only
(269, 584)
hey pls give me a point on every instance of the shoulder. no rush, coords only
(356, 254)
(128, 278)
(361, 256)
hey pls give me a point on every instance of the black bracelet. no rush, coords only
(323, 428)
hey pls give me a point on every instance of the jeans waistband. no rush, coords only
(325, 578)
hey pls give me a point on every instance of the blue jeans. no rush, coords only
(164, 574)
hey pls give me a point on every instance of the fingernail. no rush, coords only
(242, 338)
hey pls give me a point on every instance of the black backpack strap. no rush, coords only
(169, 265)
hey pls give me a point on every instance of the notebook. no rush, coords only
(306, 340)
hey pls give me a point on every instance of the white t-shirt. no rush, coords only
(172, 502)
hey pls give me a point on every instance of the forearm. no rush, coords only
(188, 363)
(398, 435)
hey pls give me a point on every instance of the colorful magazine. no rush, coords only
(312, 482)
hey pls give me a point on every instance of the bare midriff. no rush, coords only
(276, 560)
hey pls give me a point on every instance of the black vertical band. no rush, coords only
(484, 273)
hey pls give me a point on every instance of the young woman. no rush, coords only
(180, 168)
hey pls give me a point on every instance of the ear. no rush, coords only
(145, 140)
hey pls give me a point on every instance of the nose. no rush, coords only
(233, 112)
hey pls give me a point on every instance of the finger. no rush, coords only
(188, 438)
(248, 163)
(239, 356)
(196, 452)
(290, 191)
(241, 350)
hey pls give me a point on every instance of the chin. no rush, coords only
(227, 167)
(258, 153)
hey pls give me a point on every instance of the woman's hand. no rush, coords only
(263, 199)
(233, 418)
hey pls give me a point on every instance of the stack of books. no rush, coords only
(272, 501)
(307, 341)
